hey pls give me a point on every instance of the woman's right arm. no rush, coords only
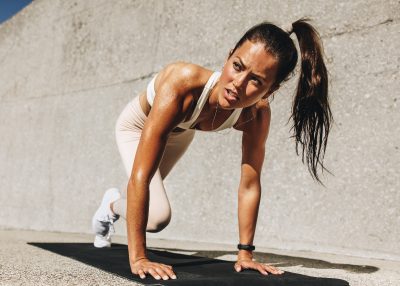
(169, 109)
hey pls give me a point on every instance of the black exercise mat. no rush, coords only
(190, 270)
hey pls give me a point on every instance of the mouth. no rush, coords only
(230, 95)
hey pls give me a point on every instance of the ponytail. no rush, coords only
(311, 113)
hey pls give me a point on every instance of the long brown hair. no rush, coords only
(311, 114)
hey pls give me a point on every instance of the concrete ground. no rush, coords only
(23, 264)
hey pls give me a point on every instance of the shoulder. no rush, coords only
(263, 111)
(177, 87)
(182, 77)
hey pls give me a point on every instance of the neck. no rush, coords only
(213, 98)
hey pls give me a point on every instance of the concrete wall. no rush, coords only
(67, 68)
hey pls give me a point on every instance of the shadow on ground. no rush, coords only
(190, 270)
(287, 261)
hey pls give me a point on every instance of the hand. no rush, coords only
(255, 265)
(144, 266)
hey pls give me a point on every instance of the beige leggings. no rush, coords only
(128, 130)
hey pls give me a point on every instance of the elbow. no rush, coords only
(250, 185)
(249, 195)
(250, 190)
(137, 180)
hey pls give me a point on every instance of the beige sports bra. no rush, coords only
(200, 104)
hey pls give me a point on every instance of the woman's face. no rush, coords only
(247, 76)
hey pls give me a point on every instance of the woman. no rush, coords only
(155, 129)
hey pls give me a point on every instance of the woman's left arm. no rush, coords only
(254, 137)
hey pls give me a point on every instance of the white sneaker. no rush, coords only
(103, 219)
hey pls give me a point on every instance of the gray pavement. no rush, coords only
(23, 264)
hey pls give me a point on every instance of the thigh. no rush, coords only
(127, 132)
(176, 146)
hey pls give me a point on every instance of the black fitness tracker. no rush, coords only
(246, 247)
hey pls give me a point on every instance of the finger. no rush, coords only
(238, 268)
(248, 265)
(169, 266)
(141, 274)
(154, 273)
(262, 270)
(272, 269)
(162, 273)
(169, 271)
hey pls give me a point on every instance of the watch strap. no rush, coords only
(246, 247)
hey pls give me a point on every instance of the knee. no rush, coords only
(158, 224)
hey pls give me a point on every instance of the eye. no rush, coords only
(236, 66)
(256, 81)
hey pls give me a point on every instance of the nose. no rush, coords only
(238, 81)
